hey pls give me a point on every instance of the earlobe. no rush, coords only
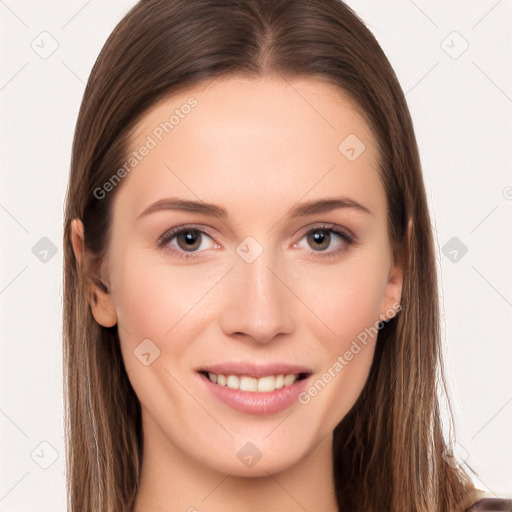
(98, 296)
(393, 293)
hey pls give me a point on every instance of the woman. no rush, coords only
(251, 319)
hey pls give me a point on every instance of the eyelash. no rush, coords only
(346, 236)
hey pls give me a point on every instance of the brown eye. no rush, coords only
(189, 240)
(319, 239)
(186, 241)
(326, 241)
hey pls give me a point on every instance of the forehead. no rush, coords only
(272, 100)
(261, 137)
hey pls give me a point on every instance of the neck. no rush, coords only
(172, 480)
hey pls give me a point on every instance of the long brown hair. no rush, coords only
(389, 451)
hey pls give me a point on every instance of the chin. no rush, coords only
(259, 456)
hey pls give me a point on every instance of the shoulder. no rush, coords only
(491, 505)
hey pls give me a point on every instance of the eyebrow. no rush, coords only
(302, 210)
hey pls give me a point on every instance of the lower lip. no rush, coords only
(251, 402)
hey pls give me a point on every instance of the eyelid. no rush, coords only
(328, 226)
(164, 237)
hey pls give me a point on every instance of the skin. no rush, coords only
(257, 148)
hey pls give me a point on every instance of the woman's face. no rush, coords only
(283, 273)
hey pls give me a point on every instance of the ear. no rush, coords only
(393, 291)
(98, 296)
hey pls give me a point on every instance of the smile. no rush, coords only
(250, 388)
(247, 383)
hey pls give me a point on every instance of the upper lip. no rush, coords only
(253, 369)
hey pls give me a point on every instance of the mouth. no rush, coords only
(258, 389)
(249, 383)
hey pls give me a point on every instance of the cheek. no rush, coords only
(164, 304)
(348, 302)
(345, 298)
(152, 297)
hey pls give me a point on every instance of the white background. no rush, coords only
(462, 111)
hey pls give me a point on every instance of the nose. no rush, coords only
(258, 302)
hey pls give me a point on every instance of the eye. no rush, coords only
(190, 242)
(326, 241)
(186, 241)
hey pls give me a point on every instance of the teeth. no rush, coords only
(246, 383)
(233, 382)
(266, 384)
(289, 380)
